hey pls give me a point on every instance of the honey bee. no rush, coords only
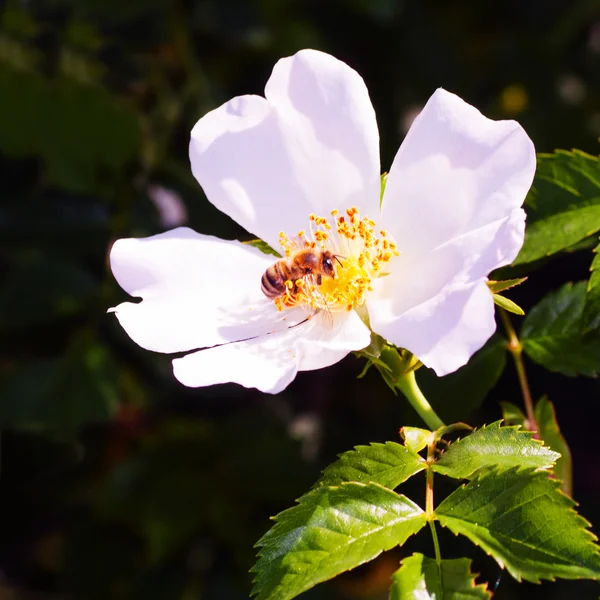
(308, 264)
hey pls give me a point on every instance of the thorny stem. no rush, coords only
(516, 349)
(429, 488)
(429, 501)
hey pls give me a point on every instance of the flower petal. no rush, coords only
(271, 362)
(197, 291)
(446, 330)
(435, 284)
(456, 171)
(311, 146)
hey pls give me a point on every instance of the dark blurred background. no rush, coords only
(115, 481)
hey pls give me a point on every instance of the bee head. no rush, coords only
(327, 263)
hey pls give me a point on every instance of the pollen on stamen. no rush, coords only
(365, 253)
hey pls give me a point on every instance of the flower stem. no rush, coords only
(398, 371)
(407, 384)
(516, 349)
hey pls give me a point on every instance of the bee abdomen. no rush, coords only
(273, 282)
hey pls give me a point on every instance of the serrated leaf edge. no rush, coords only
(272, 531)
(518, 429)
(472, 576)
(571, 505)
(360, 447)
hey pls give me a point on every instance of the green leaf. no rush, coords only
(552, 333)
(387, 464)
(263, 247)
(563, 206)
(512, 414)
(494, 446)
(455, 396)
(591, 309)
(415, 438)
(523, 520)
(331, 530)
(420, 577)
(508, 305)
(550, 433)
(500, 286)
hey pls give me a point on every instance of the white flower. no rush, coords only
(311, 146)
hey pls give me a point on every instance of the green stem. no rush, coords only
(429, 510)
(516, 349)
(436, 544)
(407, 384)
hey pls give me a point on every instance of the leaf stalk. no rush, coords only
(516, 349)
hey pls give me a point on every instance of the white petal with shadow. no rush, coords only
(455, 172)
(197, 291)
(271, 362)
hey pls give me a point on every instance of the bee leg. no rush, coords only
(319, 279)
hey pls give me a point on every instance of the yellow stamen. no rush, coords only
(364, 255)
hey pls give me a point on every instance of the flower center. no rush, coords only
(333, 266)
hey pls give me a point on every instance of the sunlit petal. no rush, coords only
(311, 146)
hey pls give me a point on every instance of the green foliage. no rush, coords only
(563, 206)
(525, 523)
(494, 446)
(422, 577)
(331, 530)
(388, 464)
(159, 491)
(508, 304)
(550, 433)
(553, 335)
(455, 396)
(499, 286)
(591, 309)
(263, 247)
(415, 438)
(512, 414)
(511, 508)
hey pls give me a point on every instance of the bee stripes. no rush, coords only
(273, 281)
